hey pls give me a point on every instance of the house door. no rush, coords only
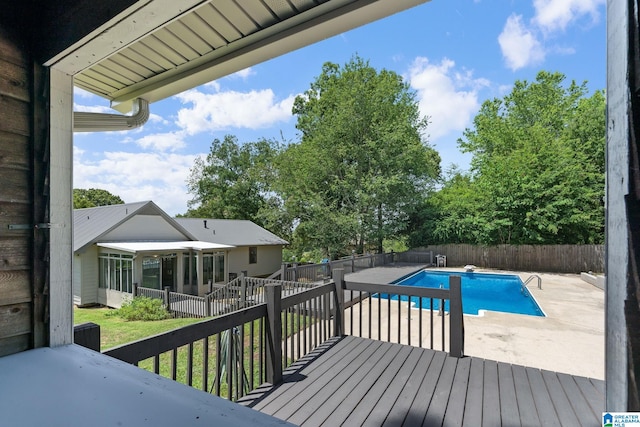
(168, 272)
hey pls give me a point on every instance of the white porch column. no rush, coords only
(200, 266)
(60, 208)
(180, 266)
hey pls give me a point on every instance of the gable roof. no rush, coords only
(230, 232)
(90, 224)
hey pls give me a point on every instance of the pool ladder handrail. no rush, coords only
(530, 279)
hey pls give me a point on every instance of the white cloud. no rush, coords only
(160, 177)
(256, 109)
(447, 96)
(170, 141)
(556, 15)
(519, 45)
(243, 74)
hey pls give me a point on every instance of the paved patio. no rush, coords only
(570, 339)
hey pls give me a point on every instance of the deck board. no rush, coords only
(357, 381)
(509, 413)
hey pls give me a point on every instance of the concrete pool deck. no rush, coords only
(570, 339)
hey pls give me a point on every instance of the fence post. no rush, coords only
(456, 319)
(274, 333)
(338, 316)
(353, 262)
(207, 304)
(295, 271)
(167, 301)
(283, 271)
(87, 335)
(134, 290)
(243, 288)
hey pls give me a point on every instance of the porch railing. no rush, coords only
(323, 271)
(236, 352)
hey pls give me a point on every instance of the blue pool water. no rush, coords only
(480, 291)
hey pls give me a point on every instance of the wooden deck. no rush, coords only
(361, 382)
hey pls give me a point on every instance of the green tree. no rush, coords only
(537, 168)
(361, 166)
(234, 180)
(83, 198)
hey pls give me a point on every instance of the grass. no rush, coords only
(115, 330)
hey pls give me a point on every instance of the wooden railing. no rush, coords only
(236, 352)
(407, 314)
(323, 271)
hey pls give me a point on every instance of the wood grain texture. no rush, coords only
(14, 81)
(15, 320)
(14, 253)
(15, 287)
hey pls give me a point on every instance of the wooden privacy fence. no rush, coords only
(233, 354)
(543, 258)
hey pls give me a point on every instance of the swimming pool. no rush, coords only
(480, 291)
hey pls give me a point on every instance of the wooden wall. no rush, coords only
(22, 163)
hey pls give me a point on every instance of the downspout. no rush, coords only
(104, 122)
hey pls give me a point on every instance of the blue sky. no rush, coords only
(454, 53)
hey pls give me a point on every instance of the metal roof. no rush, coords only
(161, 48)
(230, 232)
(90, 224)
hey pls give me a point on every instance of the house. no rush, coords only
(118, 245)
(47, 47)
(253, 249)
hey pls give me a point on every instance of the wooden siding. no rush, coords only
(17, 261)
(541, 258)
(360, 382)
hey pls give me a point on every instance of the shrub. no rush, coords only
(142, 308)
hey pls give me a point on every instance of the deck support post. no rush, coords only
(338, 315)
(456, 319)
(274, 333)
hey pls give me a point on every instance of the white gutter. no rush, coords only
(103, 122)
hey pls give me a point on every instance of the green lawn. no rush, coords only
(115, 331)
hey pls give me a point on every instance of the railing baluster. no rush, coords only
(205, 364)
(156, 364)
(251, 353)
(399, 316)
(420, 322)
(218, 378)
(379, 316)
(369, 335)
(388, 317)
(230, 364)
(431, 314)
(190, 364)
(174, 364)
(261, 356)
(409, 321)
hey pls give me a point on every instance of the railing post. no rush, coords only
(338, 316)
(456, 319)
(87, 335)
(295, 272)
(274, 333)
(353, 262)
(243, 288)
(134, 290)
(283, 271)
(167, 302)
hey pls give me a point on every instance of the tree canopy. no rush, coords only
(92, 197)
(361, 165)
(537, 170)
(233, 181)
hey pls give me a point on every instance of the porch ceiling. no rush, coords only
(152, 53)
(135, 247)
